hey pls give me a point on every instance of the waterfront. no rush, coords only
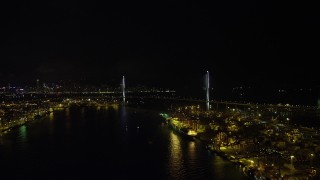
(268, 147)
(108, 142)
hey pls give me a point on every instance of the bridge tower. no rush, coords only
(207, 82)
(123, 87)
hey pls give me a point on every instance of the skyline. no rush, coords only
(298, 95)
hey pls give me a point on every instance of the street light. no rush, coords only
(311, 159)
(291, 159)
(252, 163)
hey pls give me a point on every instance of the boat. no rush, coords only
(188, 132)
(172, 122)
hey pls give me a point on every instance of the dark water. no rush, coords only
(106, 143)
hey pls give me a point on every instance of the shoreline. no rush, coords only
(210, 148)
(243, 138)
(45, 112)
(4, 131)
(226, 157)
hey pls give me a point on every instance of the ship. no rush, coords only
(189, 132)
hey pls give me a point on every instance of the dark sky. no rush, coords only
(159, 43)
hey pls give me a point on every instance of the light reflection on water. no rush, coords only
(68, 118)
(22, 139)
(51, 117)
(123, 116)
(67, 110)
(23, 134)
(175, 159)
(185, 160)
(192, 154)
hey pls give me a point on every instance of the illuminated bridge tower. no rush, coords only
(207, 82)
(123, 87)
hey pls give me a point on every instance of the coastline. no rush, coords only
(247, 170)
(263, 146)
(34, 118)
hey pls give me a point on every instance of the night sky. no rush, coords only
(160, 44)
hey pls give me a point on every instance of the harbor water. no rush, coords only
(107, 143)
